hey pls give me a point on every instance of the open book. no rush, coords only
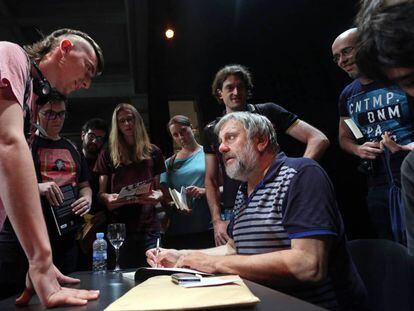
(180, 199)
(133, 190)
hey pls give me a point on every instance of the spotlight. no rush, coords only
(169, 33)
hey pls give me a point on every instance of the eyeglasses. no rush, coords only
(127, 119)
(52, 115)
(345, 52)
(98, 139)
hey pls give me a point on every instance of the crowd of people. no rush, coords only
(253, 211)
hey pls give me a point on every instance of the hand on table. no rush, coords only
(46, 283)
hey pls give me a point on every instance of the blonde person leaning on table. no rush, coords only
(131, 158)
(187, 169)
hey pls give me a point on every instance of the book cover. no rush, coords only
(136, 189)
(65, 220)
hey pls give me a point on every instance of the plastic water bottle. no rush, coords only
(99, 253)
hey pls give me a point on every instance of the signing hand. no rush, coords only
(52, 193)
(220, 232)
(46, 283)
(165, 258)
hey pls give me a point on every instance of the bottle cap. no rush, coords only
(99, 235)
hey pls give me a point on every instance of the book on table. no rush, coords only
(144, 273)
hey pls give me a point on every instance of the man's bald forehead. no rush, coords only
(350, 34)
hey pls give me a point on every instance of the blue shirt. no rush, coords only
(188, 172)
(295, 200)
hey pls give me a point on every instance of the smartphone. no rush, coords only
(179, 278)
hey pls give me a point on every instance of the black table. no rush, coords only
(113, 285)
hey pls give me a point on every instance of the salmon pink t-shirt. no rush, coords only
(15, 78)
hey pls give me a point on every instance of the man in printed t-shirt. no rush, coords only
(382, 114)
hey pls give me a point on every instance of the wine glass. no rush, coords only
(116, 236)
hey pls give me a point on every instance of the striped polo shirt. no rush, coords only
(296, 200)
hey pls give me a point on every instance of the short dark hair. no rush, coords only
(386, 39)
(40, 48)
(229, 70)
(96, 124)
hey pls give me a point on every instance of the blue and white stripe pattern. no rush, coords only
(258, 228)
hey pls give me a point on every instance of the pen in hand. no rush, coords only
(157, 252)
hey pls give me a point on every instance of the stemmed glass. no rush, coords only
(116, 235)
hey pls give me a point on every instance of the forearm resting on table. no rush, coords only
(222, 250)
(284, 267)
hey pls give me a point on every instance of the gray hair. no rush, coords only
(255, 125)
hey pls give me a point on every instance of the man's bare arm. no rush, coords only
(24, 211)
(162, 257)
(316, 141)
(213, 198)
(17, 172)
(306, 261)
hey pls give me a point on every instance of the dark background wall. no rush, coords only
(286, 45)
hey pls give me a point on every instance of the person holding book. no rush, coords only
(129, 159)
(383, 114)
(58, 164)
(186, 168)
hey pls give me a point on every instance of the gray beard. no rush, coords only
(245, 164)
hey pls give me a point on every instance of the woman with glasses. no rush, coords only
(131, 159)
(186, 168)
(59, 165)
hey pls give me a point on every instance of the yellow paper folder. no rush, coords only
(159, 293)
